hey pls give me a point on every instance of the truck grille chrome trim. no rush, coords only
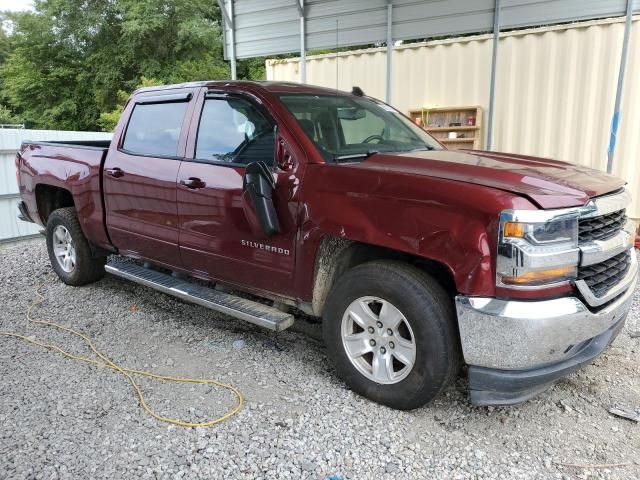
(607, 259)
(603, 282)
(598, 251)
(602, 227)
(253, 312)
(606, 204)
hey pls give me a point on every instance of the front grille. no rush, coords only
(604, 275)
(602, 227)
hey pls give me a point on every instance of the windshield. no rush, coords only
(345, 128)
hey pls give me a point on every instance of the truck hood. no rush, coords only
(547, 183)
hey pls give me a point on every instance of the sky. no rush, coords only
(15, 5)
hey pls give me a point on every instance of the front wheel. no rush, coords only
(390, 330)
(69, 251)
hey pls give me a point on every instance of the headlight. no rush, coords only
(537, 248)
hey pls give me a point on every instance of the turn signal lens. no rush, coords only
(514, 229)
(543, 277)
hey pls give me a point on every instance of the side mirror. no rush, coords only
(257, 201)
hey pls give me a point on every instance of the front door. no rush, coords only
(215, 237)
(140, 175)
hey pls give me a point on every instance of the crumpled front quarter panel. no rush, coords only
(454, 223)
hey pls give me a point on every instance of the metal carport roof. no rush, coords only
(255, 28)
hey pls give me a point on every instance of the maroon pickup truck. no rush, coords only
(416, 259)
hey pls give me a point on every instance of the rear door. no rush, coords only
(216, 241)
(140, 175)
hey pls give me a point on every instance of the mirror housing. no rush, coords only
(257, 201)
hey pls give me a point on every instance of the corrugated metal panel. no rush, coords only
(525, 13)
(626, 162)
(555, 88)
(413, 19)
(10, 140)
(272, 27)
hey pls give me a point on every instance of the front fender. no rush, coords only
(453, 223)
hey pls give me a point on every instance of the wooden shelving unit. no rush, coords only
(463, 122)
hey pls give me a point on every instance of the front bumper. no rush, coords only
(514, 349)
(490, 386)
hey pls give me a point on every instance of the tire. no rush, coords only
(69, 251)
(426, 316)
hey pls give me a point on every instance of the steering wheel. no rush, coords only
(373, 137)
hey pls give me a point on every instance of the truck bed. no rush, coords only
(70, 166)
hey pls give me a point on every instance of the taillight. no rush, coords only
(18, 158)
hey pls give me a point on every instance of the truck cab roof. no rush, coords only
(269, 86)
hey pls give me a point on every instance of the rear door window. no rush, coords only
(154, 129)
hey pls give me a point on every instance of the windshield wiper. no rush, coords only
(353, 156)
(422, 149)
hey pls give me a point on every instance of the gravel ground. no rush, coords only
(63, 419)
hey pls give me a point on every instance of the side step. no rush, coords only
(254, 312)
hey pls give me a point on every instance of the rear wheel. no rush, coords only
(390, 330)
(69, 251)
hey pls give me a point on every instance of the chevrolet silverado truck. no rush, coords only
(260, 199)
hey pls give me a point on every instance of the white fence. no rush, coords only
(10, 139)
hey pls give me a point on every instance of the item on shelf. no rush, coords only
(455, 127)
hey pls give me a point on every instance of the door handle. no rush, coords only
(193, 183)
(114, 172)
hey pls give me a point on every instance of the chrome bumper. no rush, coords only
(517, 335)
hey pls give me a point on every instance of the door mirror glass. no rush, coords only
(257, 200)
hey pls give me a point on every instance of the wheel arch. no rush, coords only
(50, 198)
(335, 256)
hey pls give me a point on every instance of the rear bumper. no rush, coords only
(514, 349)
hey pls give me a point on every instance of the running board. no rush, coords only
(254, 312)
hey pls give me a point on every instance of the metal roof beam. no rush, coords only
(494, 61)
(615, 119)
(227, 17)
(303, 42)
(389, 49)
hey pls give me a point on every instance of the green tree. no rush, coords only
(72, 63)
(109, 120)
(6, 115)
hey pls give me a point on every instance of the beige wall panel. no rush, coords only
(442, 74)
(555, 93)
(555, 88)
(627, 157)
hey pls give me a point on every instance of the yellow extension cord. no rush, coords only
(127, 372)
